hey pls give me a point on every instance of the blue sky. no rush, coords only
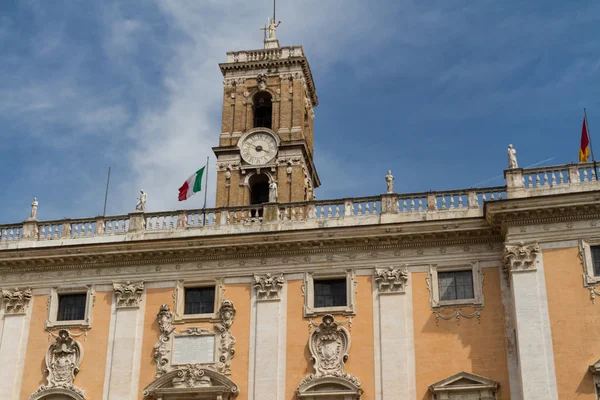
(433, 90)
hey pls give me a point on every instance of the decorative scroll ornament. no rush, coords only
(161, 348)
(128, 295)
(63, 359)
(268, 287)
(391, 280)
(519, 258)
(226, 346)
(16, 302)
(192, 379)
(329, 344)
(261, 80)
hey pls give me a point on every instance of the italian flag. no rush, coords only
(192, 185)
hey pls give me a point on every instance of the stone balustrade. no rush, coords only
(265, 54)
(386, 208)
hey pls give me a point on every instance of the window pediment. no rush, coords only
(192, 382)
(462, 385)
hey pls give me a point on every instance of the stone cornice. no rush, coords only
(270, 63)
(543, 209)
(260, 245)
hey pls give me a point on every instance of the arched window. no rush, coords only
(259, 188)
(263, 110)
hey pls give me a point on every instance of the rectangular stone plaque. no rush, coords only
(194, 349)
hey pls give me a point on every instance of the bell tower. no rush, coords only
(265, 150)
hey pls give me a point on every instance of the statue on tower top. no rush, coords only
(270, 37)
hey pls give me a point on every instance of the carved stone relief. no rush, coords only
(225, 347)
(128, 294)
(268, 287)
(329, 344)
(192, 379)
(519, 257)
(261, 80)
(16, 302)
(63, 359)
(391, 280)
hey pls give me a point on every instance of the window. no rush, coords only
(589, 251)
(455, 285)
(330, 293)
(263, 110)
(595, 250)
(71, 307)
(199, 300)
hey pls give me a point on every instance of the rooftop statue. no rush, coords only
(512, 157)
(141, 204)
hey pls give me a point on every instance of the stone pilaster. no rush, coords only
(394, 338)
(266, 378)
(523, 265)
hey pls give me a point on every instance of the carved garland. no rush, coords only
(519, 257)
(63, 359)
(16, 302)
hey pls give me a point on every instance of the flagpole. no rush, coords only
(205, 192)
(587, 127)
(106, 194)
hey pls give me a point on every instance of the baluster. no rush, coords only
(443, 202)
(484, 197)
(545, 179)
(537, 180)
(301, 214)
(367, 209)
(500, 196)
(328, 211)
(420, 204)
(293, 213)
(451, 201)
(585, 175)
(460, 201)
(560, 176)
(76, 230)
(553, 175)
(529, 181)
(359, 209)
(412, 205)
(55, 236)
(374, 208)
(10, 234)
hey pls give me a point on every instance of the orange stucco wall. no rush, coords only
(361, 355)
(574, 322)
(91, 376)
(446, 349)
(239, 294)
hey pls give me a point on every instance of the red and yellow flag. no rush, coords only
(584, 151)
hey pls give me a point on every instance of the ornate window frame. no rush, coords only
(309, 293)
(469, 385)
(179, 297)
(585, 252)
(434, 291)
(55, 292)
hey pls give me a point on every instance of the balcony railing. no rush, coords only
(386, 208)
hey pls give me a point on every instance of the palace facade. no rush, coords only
(472, 294)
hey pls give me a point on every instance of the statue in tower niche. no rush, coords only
(389, 179)
(512, 157)
(141, 204)
(273, 192)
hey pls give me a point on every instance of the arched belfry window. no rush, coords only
(259, 188)
(263, 110)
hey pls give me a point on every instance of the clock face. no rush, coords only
(259, 148)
